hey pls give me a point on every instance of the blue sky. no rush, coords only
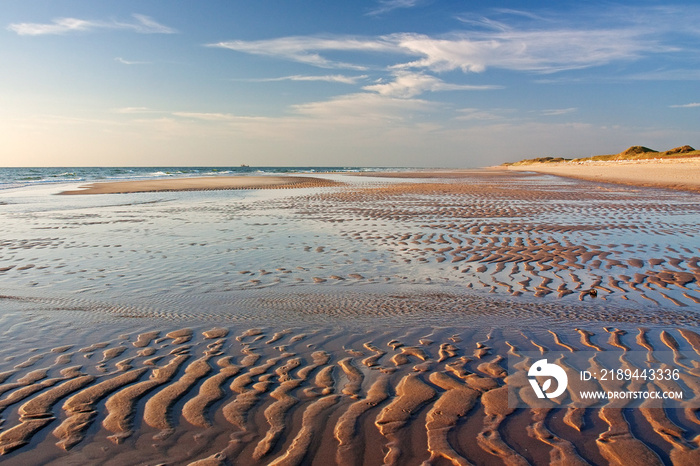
(378, 83)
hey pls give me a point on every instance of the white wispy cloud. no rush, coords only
(58, 26)
(558, 111)
(217, 117)
(364, 118)
(690, 105)
(522, 13)
(543, 51)
(305, 49)
(364, 106)
(135, 110)
(476, 114)
(356, 108)
(334, 78)
(410, 84)
(146, 25)
(385, 6)
(510, 39)
(142, 24)
(129, 62)
(412, 57)
(479, 21)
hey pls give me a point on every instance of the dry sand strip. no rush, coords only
(682, 174)
(203, 184)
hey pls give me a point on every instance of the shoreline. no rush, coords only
(680, 174)
(677, 174)
(201, 184)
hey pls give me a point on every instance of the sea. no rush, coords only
(16, 177)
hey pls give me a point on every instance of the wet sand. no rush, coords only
(681, 174)
(201, 184)
(263, 395)
(370, 322)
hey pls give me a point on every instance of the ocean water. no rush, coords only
(27, 176)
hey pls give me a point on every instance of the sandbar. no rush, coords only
(679, 174)
(202, 184)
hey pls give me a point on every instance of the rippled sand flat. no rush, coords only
(269, 395)
(362, 323)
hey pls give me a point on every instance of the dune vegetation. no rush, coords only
(633, 153)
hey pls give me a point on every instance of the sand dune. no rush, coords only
(681, 174)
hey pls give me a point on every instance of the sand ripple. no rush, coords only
(315, 395)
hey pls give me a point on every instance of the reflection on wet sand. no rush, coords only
(257, 396)
(367, 323)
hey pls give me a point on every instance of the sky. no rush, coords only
(401, 83)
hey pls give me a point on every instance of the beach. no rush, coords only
(681, 174)
(388, 318)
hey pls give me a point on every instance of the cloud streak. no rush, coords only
(541, 51)
(305, 49)
(142, 24)
(386, 6)
(130, 62)
(533, 45)
(334, 78)
(134, 110)
(558, 111)
(409, 84)
(359, 108)
(690, 105)
(544, 47)
(475, 114)
(544, 51)
(363, 107)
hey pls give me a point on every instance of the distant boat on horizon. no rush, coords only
(245, 166)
